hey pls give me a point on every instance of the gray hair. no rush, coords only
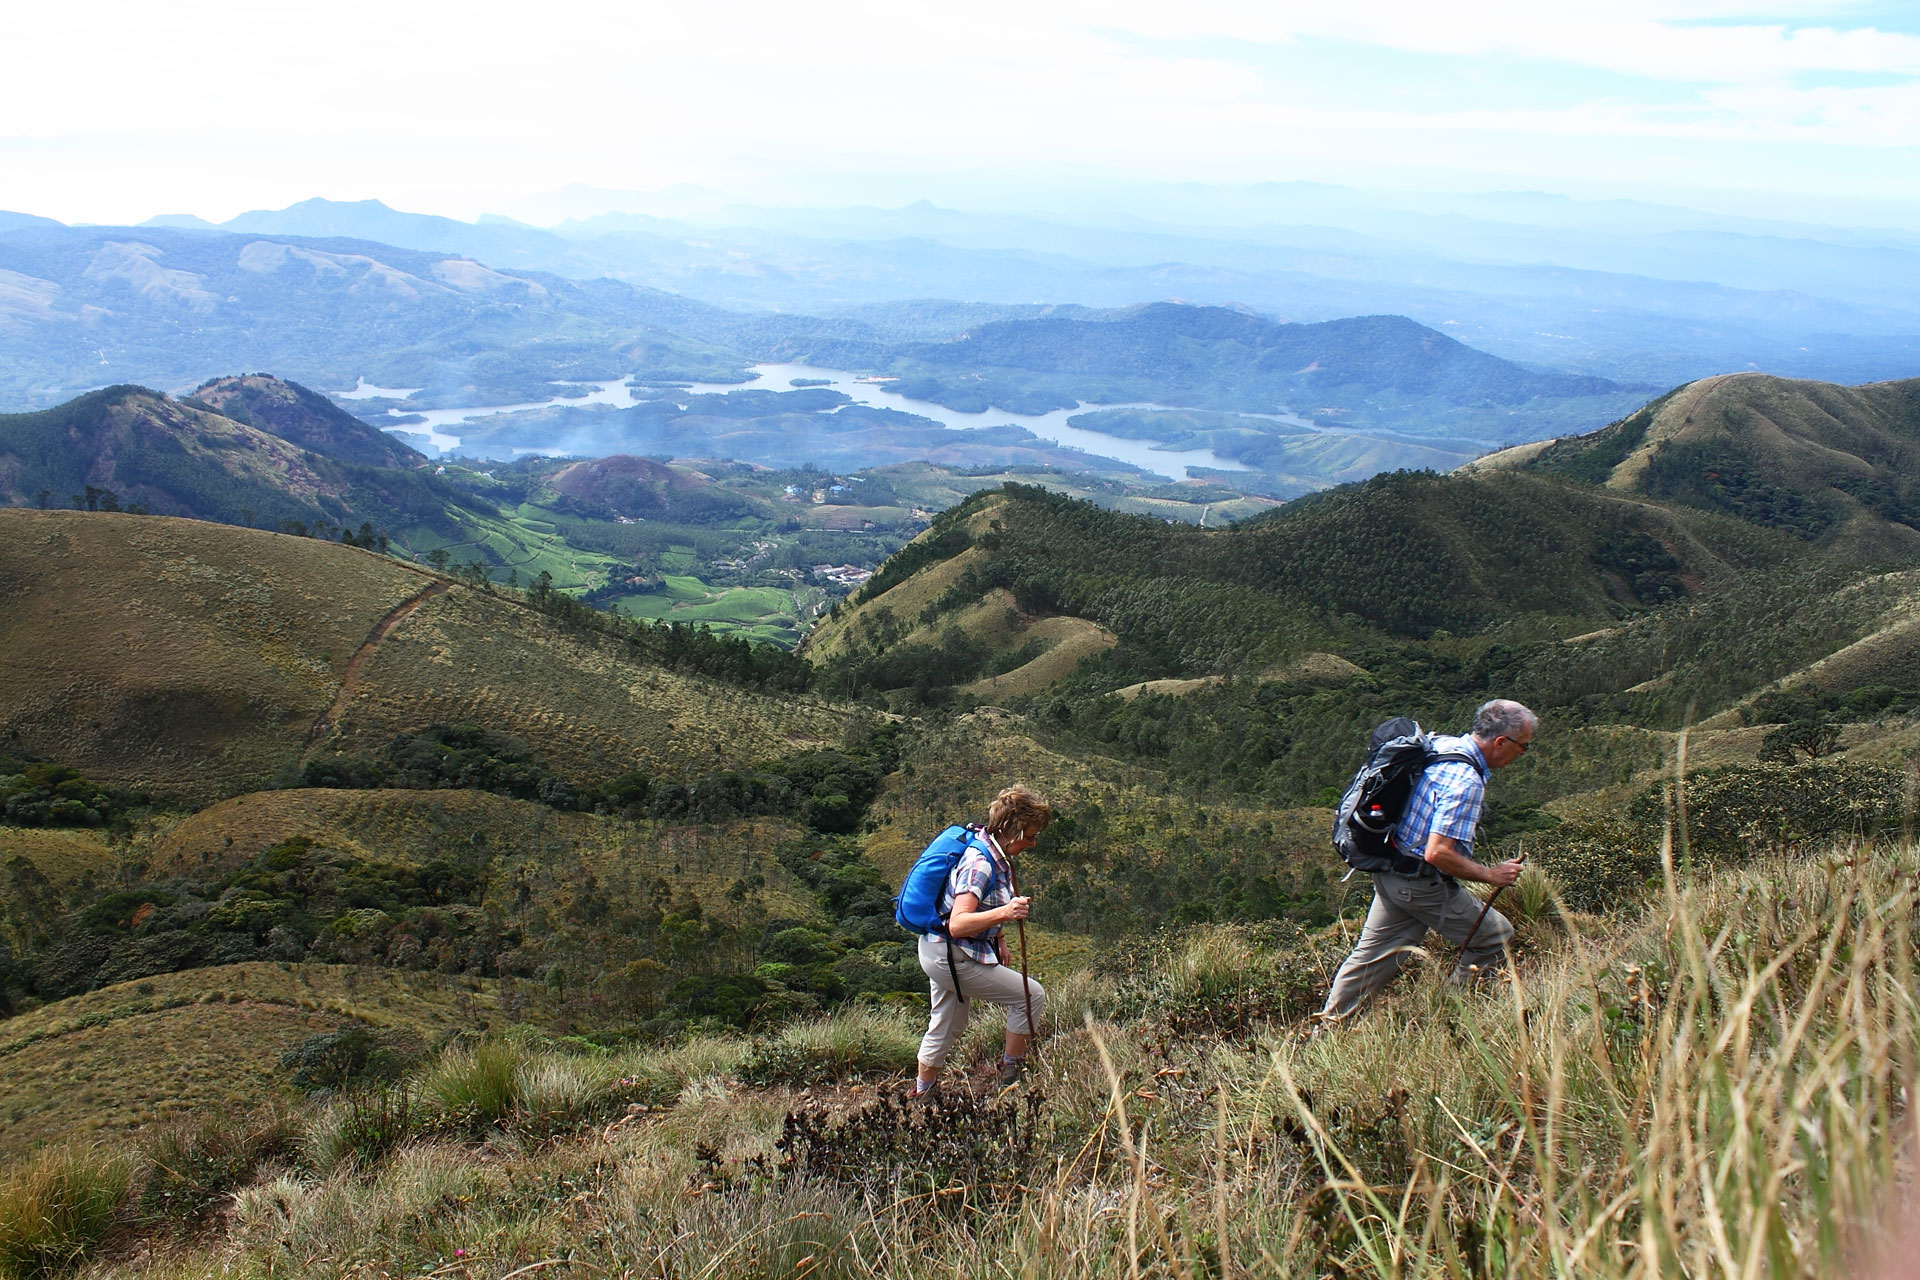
(1502, 717)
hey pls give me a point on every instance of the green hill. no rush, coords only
(1539, 574)
(200, 661)
(1836, 466)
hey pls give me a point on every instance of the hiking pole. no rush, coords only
(1488, 906)
(1026, 983)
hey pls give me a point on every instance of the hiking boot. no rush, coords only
(1009, 1073)
(930, 1094)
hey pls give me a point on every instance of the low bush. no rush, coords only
(337, 1060)
(980, 1147)
(189, 1168)
(1223, 979)
(57, 1208)
(1597, 864)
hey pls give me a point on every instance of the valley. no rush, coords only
(622, 824)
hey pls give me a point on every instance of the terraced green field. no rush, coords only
(765, 613)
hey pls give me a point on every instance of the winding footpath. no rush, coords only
(350, 683)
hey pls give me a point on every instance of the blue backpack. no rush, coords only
(916, 908)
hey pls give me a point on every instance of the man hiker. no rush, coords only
(1437, 827)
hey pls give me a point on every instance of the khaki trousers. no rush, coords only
(1000, 984)
(1404, 908)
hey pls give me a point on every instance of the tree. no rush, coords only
(438, 558)
(1816, 735)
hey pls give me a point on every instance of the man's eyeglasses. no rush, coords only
(1516, 742)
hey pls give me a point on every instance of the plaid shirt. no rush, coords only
(1447, 799)
(982, 871)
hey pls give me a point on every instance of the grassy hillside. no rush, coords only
(1832, 465)
(1551, 575)
(201, 661)
(1176, 1122)
(210, 1040)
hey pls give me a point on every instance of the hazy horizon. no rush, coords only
(1806, 111)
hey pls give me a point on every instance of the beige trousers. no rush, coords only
(1001, 984)
(1404, 908)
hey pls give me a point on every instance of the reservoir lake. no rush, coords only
(439, 431)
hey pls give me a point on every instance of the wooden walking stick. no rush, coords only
(1026, 983)
(1488, 906)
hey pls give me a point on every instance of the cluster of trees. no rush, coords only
(828, 790)
(40, 793)
(1721, 478)
(292, 902)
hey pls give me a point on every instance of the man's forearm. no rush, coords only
(1445, 856)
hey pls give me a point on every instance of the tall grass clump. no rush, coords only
(854, 1043)
(361, 1129)
(1720, 1091)
(57, 1207)
(474, 1086)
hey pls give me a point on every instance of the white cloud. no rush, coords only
(467, 104)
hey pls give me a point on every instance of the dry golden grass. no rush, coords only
(176, 656)
(1068, 640)
(905, 601)
(588, 711)
(198, 658)
(416, 826)
(61, 854)
(178, 1044)
(1711, 1084)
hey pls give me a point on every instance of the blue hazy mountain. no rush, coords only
(1621, 289)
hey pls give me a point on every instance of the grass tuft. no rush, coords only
(854, 1044)
(476, 1086)
(58, 1207)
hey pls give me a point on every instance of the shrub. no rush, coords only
(1733, 813)
(1598, 863)
(57, 1208)
(1223, 978)
(895, 1146)
(191, 1167)
(337, 1060)
(851, 1045)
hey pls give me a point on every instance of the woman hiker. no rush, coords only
(970, 961)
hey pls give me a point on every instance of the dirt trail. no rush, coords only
(358, 662)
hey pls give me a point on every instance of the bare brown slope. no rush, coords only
(193, 660)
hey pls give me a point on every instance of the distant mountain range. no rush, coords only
(169, 307)
(1632, 292)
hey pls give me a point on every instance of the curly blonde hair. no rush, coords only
(1016, 810)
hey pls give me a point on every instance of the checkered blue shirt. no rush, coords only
(1447, 799)
(982, 871)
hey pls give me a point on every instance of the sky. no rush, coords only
(114, 111)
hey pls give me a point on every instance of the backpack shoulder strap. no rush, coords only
(1458, 757)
